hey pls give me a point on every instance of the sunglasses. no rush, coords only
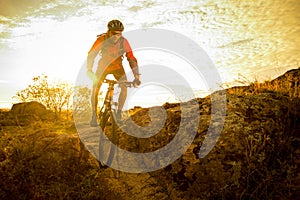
(116, 32)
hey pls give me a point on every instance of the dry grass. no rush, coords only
(287, 84)
(33, 169)
(271, 152)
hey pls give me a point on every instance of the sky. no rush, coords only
(256, 39)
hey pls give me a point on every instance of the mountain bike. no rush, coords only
(108, 123)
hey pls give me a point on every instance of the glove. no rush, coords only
(92, 76)
(136, 81)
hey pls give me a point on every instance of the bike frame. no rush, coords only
(107, 112)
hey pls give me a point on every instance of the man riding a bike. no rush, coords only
(111, 46)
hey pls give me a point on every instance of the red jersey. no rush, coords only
(111, 53)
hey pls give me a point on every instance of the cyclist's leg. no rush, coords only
(94, 97)
(121, 76)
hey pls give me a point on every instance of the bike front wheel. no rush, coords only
(107, 138)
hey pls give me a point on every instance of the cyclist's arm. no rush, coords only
(131, 59)
(93, 53)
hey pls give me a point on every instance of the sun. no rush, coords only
(55, 48)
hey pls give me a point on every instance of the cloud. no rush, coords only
(13, 8)
(20, 10)
(3, 81)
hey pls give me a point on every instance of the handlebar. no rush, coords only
(113, 82)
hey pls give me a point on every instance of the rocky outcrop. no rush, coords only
(259, 142)
(290, 79)
(256, 157)
(26, 113)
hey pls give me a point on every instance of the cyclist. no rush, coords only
(111, 46)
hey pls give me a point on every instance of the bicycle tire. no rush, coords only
(106, 148)
(104, 119)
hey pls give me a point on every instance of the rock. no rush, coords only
(260, 133)
(32, 107)
(28, 112)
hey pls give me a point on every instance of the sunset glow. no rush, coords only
(257, 39)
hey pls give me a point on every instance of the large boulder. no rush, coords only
(28, 112)
(32, 107)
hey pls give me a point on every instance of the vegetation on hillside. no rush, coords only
(55, 95)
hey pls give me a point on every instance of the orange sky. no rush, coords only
(259, 39)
